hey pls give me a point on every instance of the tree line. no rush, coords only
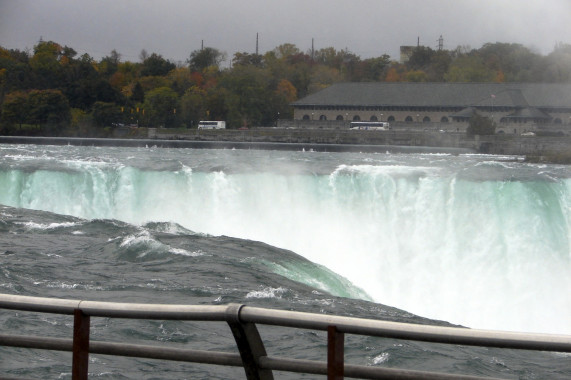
(58, 92)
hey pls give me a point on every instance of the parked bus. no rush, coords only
(211, 125)
(370, 125)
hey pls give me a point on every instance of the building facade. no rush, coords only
(514, 107)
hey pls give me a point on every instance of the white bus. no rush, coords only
(211, 125)
(370, 125)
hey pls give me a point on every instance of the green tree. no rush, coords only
(322, 77)
(201, 59)
(480, 125)
(329, 57)
(46, 66)
(439, 65)
(49, 108)
(470, 68)
(110, 64)
(160, 107)
(245, 59)
(193, 106)
(420, 58)
(416, 76)
(15, 108)
(374, 69)
(156, 65)
(106, 114)
(81, 80)
(286, 50)
(251, 86)
(138, 95)
(557, 65)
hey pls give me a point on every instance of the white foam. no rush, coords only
(267, 292)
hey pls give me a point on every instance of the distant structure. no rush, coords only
(515, 107)
(407, 51)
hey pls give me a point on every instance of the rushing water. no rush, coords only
(481, 241)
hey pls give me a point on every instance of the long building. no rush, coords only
(514, 107)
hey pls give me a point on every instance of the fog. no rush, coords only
(367, 28)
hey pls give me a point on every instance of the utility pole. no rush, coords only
(440, 43)
(202, 45)
(312, 51)
(256, 43)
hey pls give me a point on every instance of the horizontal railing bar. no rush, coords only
(154, 311)
(221, 358)
(38, 304)
(349, 325)
(123, 349)
(42, 343)
(166, 353)
(115, 309)
(359, 371)
(407, 331)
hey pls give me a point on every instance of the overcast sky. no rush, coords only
(368, 28)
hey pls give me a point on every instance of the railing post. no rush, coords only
(250, 344)
(80, 359)
(335, 353)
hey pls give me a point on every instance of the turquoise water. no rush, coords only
(481, 241)
(476, 240)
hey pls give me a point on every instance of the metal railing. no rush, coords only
(243, 321)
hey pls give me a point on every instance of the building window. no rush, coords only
(408, 119)
(374, 118)
(322, 117)
(391, 118)
(557, 121)
(339, 117)
(444, 119)
(356, 118)
(305, 117)
(426, 119)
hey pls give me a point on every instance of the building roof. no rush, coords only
(528, 113)
(513, 95)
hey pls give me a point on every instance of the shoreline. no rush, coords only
(258, 145)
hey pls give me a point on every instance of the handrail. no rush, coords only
(252, 355)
